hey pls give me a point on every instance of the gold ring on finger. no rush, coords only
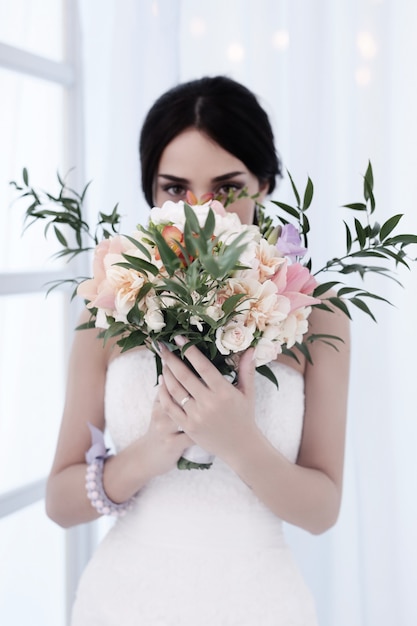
(184, 401)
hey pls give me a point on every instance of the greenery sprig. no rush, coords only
(65, 210)
(366, 241)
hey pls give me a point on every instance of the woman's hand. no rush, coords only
(164, 442)
(215, 414)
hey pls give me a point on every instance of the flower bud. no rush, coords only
(274, 235)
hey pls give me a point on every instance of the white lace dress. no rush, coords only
(198, 549)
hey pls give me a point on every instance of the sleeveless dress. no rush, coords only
(198, 548)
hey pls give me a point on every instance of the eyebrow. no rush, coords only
(217, 179)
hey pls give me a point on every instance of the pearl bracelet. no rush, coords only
(96, 457)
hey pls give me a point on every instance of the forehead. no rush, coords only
(194, 152)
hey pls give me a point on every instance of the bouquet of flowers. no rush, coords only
(197, 271)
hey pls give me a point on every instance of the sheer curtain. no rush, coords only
(339, 83)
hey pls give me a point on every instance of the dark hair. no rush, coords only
(225, 111)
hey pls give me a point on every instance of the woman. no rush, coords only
(203, 547)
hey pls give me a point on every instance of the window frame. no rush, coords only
(79, 541)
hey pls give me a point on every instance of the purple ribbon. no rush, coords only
(98, 448)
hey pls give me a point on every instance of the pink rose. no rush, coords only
(300, 284)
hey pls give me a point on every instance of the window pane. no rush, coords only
(32, 136)
(31, 569)
(34, 25)
(32, 372)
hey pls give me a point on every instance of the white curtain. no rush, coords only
(338, 80)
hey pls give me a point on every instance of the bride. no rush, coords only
(202, 547)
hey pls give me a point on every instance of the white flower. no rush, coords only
(169, 213)
(266, 351)
(281, 310)
(214, 312)
(295, 326)
(196, 321)
(153, 317)
(269, 260)
(233, 337)
(154, 320)
(229, 227)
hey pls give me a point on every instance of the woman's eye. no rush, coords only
(229, 189)
(229, 192)
(175, 190)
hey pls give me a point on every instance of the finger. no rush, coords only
(176, 389)
(206, 371)
(189, 381)
(170, 406)
(246, 378)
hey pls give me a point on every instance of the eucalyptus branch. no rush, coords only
(64, 211)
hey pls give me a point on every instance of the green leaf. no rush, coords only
(401, 239)
(133, 340)
(348, 238)
(140, 265)
(85, 191)
(189, 240)
(303, 348)
(140, 246)
(115, 328)
(368, 182)
(368, 294)
(86, 325)
(324, 287)
(176, 288)
(287, 208)
(308, 194)
(208, 228)
(294, 188)
(389, 226)
(60, 237)
(356, 206)
(143, 291)
(340, 304)
(325, 338)
(369, 195)
(322, 306)
(135, 315)
(290, 352)
(222, 264)
(266, 371)
(305, 224)
(362, 306)
(168, 257)
(360, 233)
(229, 305)
(346, 290)
(191, 218)
(25, 176)
(368, 252)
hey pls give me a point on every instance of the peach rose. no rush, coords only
(97, 290)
